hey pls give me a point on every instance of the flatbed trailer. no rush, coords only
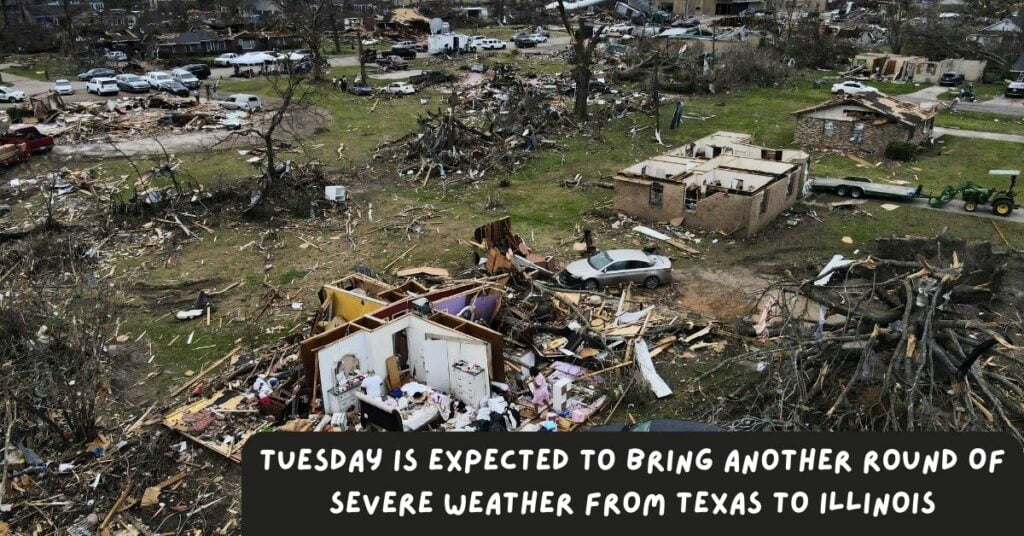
(858, 187)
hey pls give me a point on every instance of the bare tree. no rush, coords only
(897, 14)
(311, 20)
(294, 97)
(362, 58)
(584, 40)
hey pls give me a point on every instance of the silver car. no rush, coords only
(615, 267)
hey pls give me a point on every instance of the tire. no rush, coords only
(970, 206)
(1002, 207)
(12, 100)
(840, 92)
(856, 193)
(842, 191)
(652, 282)
(503, 47)
(591, 284)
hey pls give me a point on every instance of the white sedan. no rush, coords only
(10, 94)
(63, 87)
(852, 87)
(399, 88)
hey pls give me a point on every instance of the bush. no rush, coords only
(15, 114)
(904, 151)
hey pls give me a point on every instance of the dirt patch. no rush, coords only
(719, 293)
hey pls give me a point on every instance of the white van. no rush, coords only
(101, 86)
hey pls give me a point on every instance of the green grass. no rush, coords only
(980, 121)
(546, 214)
(955, 161)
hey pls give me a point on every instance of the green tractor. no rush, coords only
(1002, 202)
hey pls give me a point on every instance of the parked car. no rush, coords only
(398, 88)
(200, 70)
(538, 38)
(101, 86)
(490, 44)
(1015, 89)
(362, 91)
(615, 267)
(410, 44)
(224, 60)
(132, 83)
(186, 78)
(99, 72)
(36, 141)
(524, 42)
(116, 55)
(174, 87)
(10, 94)
(407, 53)
(951, 78)
(63, 87)
(393, 63)
(242, 101)
(156, 78)
(852, 87)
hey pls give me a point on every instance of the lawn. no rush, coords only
(980, 121)
(954, 161)
(548, 215)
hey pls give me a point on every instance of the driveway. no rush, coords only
(998, 105)
(997, 136)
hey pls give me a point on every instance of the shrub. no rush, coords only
(903, 151)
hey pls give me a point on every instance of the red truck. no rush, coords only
(30, 136)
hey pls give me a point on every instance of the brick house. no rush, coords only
(718, 183)
(862, 124)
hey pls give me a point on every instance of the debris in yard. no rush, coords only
(913, 347)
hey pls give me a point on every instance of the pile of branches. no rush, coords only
(915, 339)
(481, 131)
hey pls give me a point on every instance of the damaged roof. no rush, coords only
(903, 112)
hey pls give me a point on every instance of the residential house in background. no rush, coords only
(721, 182)
(1004, 32)
(864, 124)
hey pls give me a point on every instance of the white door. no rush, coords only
(435, 364)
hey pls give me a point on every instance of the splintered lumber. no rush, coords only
(674, 242)
(206, 371)
(422, 270)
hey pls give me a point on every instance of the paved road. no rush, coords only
(998, 105)
(998, 136)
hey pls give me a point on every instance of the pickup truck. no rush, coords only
(35, 141)
(857, 187)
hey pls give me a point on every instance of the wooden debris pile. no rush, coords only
(915, 338)
(484, 129)
(134, 117)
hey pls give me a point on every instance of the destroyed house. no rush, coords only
(718, 183)
(196, 43)
(436, 340)
(864, 124)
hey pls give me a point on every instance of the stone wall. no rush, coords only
(810, 134)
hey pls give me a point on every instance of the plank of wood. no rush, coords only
(206, 371)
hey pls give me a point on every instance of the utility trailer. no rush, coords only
(858, 187)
